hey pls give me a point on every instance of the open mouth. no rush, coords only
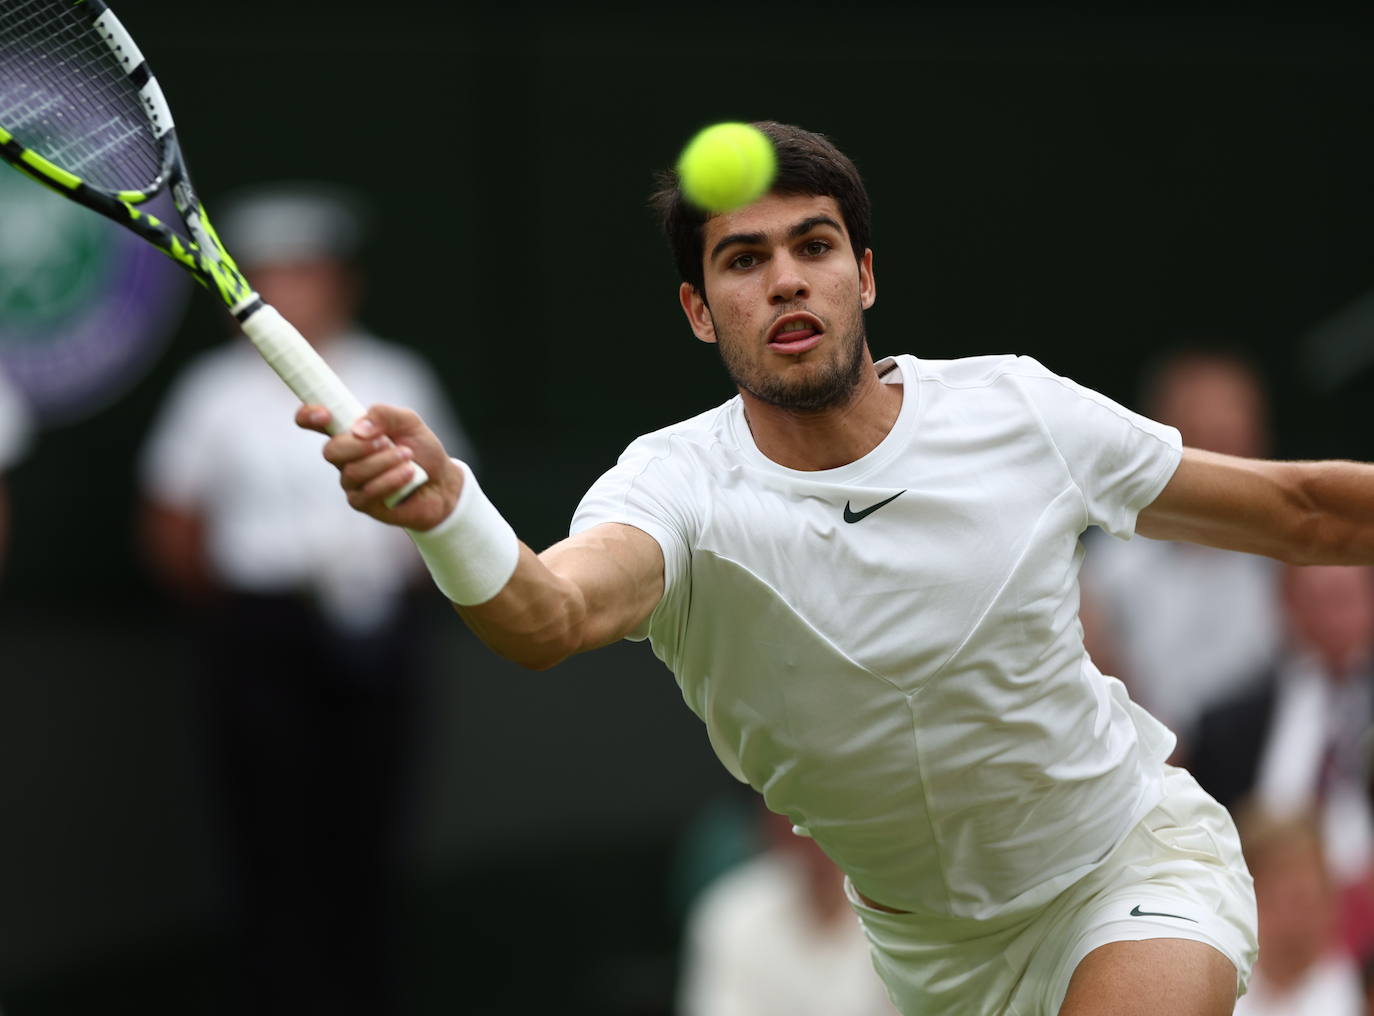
(794, 333)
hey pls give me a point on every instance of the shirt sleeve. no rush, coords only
(650, 488)
(1118, 459)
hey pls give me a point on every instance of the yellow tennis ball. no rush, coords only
(726, 166)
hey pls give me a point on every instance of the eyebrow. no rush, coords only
(799, 229)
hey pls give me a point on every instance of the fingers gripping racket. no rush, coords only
(81, 112)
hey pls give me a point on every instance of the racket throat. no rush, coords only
(215, 263)
(247, 307)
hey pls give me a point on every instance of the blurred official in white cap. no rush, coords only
(311, 652)
(299, 244)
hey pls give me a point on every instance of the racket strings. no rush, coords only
(65, 96)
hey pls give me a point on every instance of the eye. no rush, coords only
(744, 261)
(815, 248)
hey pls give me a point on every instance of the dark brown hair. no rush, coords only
(807, 164)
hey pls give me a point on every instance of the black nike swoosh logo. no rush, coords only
(852, 516)
(1137, 912)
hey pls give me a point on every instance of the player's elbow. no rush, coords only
(542, 656)
(533, 649)
(540, 640)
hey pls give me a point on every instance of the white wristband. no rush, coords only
(472, 553)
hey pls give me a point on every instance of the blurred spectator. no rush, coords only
(1183, 624)
(14, 433)
(776, 937)
(1302, 968)
(725, 833)
(312, 655)
(1298, 739)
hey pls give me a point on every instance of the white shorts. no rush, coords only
(1178, 874)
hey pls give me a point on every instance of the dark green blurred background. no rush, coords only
(1080, 187)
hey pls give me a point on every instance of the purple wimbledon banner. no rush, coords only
(85, 306)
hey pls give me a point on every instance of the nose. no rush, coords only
(786, 282)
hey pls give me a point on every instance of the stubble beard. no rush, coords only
(833, 385)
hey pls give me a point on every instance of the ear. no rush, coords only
(698, 314)
(868, 286)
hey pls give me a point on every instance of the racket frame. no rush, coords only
(202, 254)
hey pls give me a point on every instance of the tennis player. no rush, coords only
(864, 577)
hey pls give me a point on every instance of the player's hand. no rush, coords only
(375, 459)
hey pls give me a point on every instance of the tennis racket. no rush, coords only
(81, 112)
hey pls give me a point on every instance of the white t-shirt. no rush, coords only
(224, 446)
(911, 688)
(755, 947)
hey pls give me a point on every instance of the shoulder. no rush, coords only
(976, 371)
(661, 481)
(694, 438)
(1077, 417)
(979, 394)
(1008, 379)
(997, 370)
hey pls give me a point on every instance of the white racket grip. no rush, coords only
(305, 373)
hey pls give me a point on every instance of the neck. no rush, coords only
(826, 438)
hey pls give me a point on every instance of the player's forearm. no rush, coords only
(537, 610)
(536, 618)
(1298, 512)
(507, 596)
(582, 593)
(1335, 501)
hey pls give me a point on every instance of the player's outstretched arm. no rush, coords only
(587, 591)
(535, 609)
(1299, 512)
